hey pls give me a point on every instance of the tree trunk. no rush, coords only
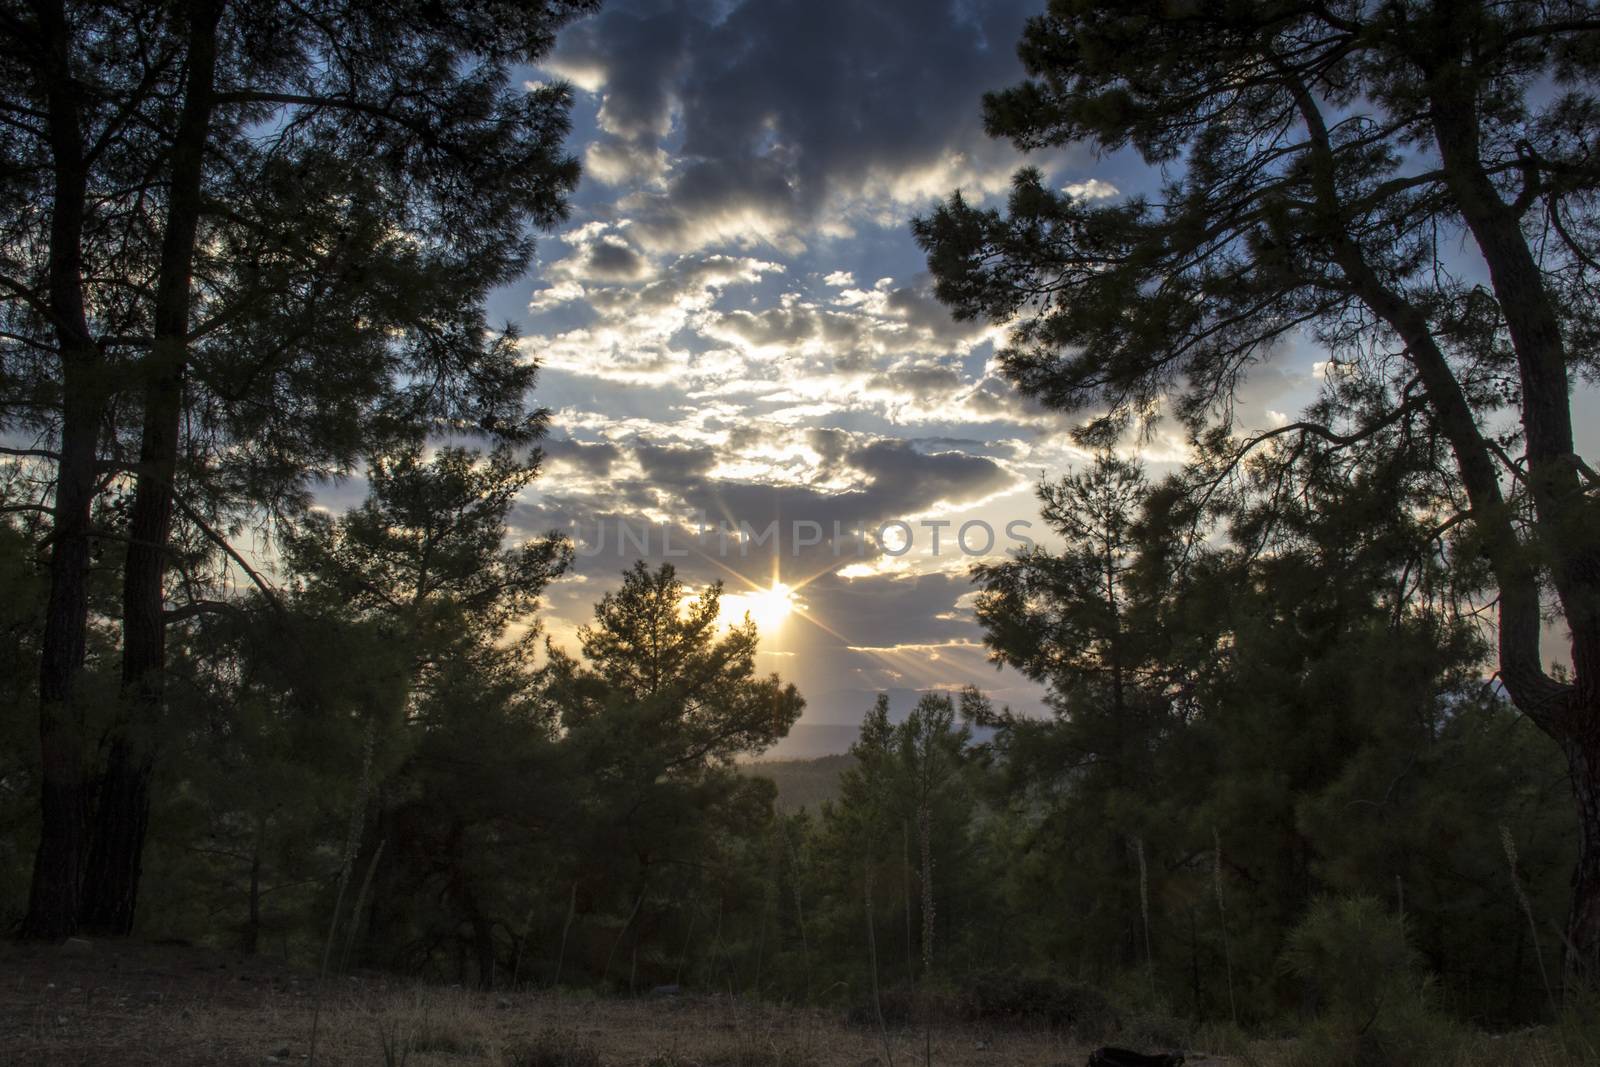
(251, 941)
(121, 819)
(63, 804)
(483, 947)
(566, 927)
(1567, 535)
(122, 814)
(58, 864)
(1583, 919)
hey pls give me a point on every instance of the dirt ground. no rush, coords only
(121, 1005)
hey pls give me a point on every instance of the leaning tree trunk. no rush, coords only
(1567, 533)
(1566, 537)
(122, 814)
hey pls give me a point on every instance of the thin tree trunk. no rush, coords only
(872, 953)
(905, 869)
(561, 957)
(351, 930)
(122, 814)
(522, 943)
(1194, 963)
(626, 926)
(683, 957)
(252, 930)
(483, 948)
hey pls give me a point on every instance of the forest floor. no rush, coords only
(125, 1005)
(130, 1005)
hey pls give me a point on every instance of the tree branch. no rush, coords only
(221, 542)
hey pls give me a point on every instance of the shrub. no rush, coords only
(1364, 980)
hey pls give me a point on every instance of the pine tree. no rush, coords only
(1319, 162)
(269, 235)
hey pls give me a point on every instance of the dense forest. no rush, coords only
(1320, 700)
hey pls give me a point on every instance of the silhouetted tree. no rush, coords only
(469, 784)
(1320, 162)
(664, 699)
(268, 235)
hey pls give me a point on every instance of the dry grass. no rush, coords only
(126, 1006)
(178, 1007)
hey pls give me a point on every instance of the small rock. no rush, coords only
(77, 946)
(503, 1004)
(981, 1046)
(666, 990)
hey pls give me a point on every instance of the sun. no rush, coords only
(768, 608)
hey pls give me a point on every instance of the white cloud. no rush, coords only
(1091, 189)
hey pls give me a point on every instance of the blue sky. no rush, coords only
(735, 324)
(735, 321)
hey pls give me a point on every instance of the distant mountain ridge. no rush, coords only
(832, 721)
(803, 783)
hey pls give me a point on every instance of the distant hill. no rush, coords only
(803, 783)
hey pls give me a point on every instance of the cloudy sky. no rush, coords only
(736, 327)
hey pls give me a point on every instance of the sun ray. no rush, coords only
(767, 608)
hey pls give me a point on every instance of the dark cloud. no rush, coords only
(671, 466)
(896, 479)
(916, 306)
(743, 437)
(836, 87)
(831, 445)
(595, 459)
(639, 49)
(781, 104)
(774, 326)
(919, 479)
(925, 382)
(612, 259)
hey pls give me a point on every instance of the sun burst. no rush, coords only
(768, 607)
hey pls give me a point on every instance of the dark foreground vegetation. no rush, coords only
(1308, 770)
